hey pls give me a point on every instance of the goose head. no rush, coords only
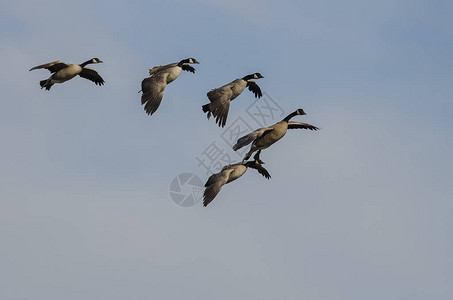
(95, 61)
(252, 76)
(300, 111)
(91, 61)
(190, 60)
(257, 76)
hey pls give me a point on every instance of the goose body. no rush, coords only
(263, 138)
(221, 97)
(230, 173)
(278, 131)
(66, 74)
(168, 72)
(62, 72)
(154, 86)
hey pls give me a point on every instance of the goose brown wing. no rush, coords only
(247, 139)
(154, 70)
(153, 91)
(211, 192)
(219, 110)
(254, 88)
(154, 84)
(220, 104)
(298, 125)
(92, 75)
(213, 178)
(52, 66)
(152, 102)
(224, 92)
(216, 182)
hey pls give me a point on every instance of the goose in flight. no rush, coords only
(221, 97)
(153, 87)
(265, 137)
(230, 173)
(62, 72)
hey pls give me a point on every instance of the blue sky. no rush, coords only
(360, 209)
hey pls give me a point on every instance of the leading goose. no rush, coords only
(153, 87)
(63, 72)
(221, 97)
(230, 173)
(265, 137)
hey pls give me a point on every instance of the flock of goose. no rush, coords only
(153, 89)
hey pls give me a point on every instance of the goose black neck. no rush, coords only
(248, 77)
(184, 61)
(288, 117)
(86, 63)
(253, 163)
(249, 163)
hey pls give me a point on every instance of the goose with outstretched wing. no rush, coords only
(154, 86)
(230, 173)
(262, 138)
(62, 72)
(221, 97)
